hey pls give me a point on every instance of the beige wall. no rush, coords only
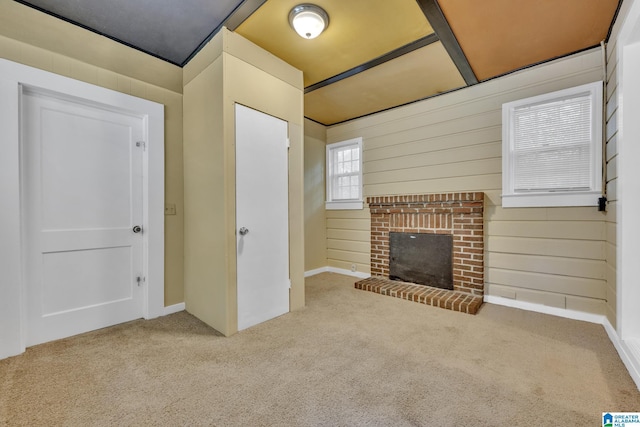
(232, 70)
(315, 230)
(38, 40)
(551, 256)
(204, 181)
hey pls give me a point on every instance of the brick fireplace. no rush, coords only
(456, 214)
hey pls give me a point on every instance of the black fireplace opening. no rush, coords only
(422, 258)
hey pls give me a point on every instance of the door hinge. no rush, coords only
(141, 144)
(288, 143)
(289, 281)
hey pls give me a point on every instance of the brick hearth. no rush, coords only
(451, 300)
(458, 214)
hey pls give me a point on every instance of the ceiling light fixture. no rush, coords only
(308, 20)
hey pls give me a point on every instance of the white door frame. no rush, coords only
(13, 77)
(628, 228)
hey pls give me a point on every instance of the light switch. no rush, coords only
(170, 209)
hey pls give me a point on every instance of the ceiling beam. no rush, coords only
(233, 21)
(241, 13)
(436, 18)
(424, 41)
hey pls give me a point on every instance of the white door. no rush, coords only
(262, 216)
(82, 197)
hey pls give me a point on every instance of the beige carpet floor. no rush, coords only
(350, 358)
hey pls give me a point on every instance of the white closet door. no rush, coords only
(262, 217)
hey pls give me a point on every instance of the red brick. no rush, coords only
(447, 213)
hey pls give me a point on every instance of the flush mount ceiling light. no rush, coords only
(308, 20)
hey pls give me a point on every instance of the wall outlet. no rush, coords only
(170, 209)
(353, 267)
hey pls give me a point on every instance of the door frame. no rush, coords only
(13, 77)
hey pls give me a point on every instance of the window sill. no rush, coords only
(350, 205)
(559, 199)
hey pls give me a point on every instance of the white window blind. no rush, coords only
(552, 145)
(344, 174)
(552, 149)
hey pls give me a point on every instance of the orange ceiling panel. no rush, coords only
(499, 36)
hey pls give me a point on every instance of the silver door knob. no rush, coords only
(243, 231)
(137, 229)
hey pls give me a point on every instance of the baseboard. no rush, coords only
(629, 352)
(316, 271)
(346, 272)
(539, 308)
(175, 308)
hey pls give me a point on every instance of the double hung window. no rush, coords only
(344, 174)
(552, 149)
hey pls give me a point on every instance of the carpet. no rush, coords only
(349, 358)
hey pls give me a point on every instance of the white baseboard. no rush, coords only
(357, 274)
(539, 308)
(175, 308)
(338, 271)
(316, 271)
(629, 352)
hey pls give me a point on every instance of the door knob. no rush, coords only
(243, 231)
(137, 229)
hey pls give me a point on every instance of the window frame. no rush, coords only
(331, 204)
(553, 198)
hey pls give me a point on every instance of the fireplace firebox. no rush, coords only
(421, 258)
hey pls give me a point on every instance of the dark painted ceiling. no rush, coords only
(169, 29)
(375, 54)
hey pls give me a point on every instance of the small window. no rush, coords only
(552, 149)
(344, 174)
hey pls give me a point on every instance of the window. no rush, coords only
(344, 174)
(552, 149)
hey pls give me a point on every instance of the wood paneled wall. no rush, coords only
(452, 143)
(611, 156)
